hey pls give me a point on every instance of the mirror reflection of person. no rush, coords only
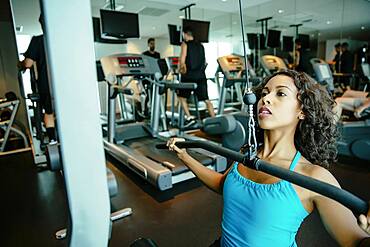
(302, 63)
(151, 49)
(145, 83)
(336, 60)
(346, 59)
(353, 101)
(192, 67)
(35, 55)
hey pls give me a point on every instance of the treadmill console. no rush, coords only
(232, 66)
(173, 63)
(323, 73)
(273, 63)
(129, 65)
(131, 62)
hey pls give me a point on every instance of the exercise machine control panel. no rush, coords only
(232, 66)
(273, 63)
(129, 65)
(173, 63)
(323, 73)
(131, 62)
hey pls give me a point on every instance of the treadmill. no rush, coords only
(134, 144)
(229, 129)
(272, 64)
(232, 67)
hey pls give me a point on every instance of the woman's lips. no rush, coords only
(264, 111)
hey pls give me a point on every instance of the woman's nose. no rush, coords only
(266, 99)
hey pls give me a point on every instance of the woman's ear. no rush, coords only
(301, 116)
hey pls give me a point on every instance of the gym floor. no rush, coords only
(34, 207)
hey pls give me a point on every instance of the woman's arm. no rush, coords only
(337, 219)
(210, 178)
(358, 110)
(182, 64)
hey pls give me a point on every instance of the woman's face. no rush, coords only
(279, 107)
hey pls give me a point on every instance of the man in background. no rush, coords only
(336, 60)
(151, 49)
(192, 68)
(35, 56)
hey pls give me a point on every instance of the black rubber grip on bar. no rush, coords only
(354, 203)
(189, 86)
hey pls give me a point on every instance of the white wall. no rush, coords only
(136, 46)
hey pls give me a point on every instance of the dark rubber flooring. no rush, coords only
(33, 207)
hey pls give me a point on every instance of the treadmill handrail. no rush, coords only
(174, 86)
(354, 203)
(171, 85)
(119, 89)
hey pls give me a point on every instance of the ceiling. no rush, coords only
(326, 19)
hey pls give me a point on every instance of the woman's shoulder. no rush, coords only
(317, 172)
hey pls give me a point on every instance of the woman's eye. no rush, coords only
(281, 94)
(263, 94)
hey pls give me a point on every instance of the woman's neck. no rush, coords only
(278, 144)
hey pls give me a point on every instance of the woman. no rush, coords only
(299, 134)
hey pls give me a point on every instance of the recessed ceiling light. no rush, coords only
(223, 0)
(153, 28)
(280, 11)
(181, 16)
(329, 22)
(362, 28)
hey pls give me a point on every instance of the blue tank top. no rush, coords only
(257, 214)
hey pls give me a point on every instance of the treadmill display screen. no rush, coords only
(174, 61)
(234, 61)
(131, 62)
(234, 64)
(324, 70)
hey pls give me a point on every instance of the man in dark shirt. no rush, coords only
(151, 49)
(35, 55)
(346, 60)
(192, 68)
(336, 60)
(145, 83)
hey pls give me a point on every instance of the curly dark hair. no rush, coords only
(317, 133)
